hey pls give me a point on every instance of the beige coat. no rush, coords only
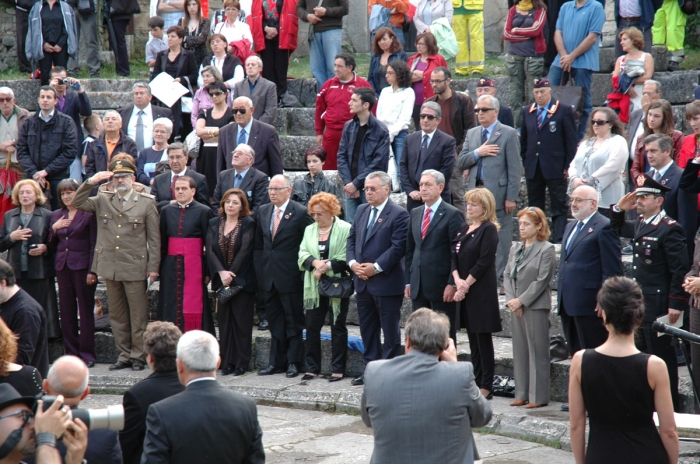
(534, 277)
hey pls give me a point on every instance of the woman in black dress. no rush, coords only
(474, 272)
(26, 379)
(208, 125)
(620, 388)
(230, 255)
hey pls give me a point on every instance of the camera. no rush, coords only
(64, 81)
(110, 418)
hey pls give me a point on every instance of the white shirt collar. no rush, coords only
(663, 170)
(435, 205)
(283, 207)
(199, 379)
(380, 208)
(147, 110)
(585, 221)
(48, 118)
(182, 173)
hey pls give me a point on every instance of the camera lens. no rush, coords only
(64, 81)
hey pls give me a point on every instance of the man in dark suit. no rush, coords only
(375, 252)
(429, 282)
(547, 147)
(160, 342)
(590, 253)
(261, 137)
(486, 86)
(163, 187)
(243, 176)
(137, 119)
(281, 224)
(429, 148)
(262, 91)
(206, 422)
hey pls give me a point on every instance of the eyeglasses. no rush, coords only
(216, 94)
(578, 201)
(371, 189)
(483, 110)
(277, 189)
(421, 44)
(598, 122)
(26, 415)
(5, 100)
(437, 81)
(239, 110)
(429, 117)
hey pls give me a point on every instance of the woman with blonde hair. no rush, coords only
(26, 379)
(474, 272)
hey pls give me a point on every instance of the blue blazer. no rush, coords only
(681, 205)
(148, 155)
(385, 246)
(595, 255)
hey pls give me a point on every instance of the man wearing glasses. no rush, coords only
(486, 86)
(12, 119)
(244, 176)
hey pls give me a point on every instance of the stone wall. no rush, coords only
(8, 50)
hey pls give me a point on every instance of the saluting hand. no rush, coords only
(627, 203)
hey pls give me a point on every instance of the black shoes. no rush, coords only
(308, 377)
(292, 371)
(263, 325)
(90, 364)
(137, 365)
(336, 378)
(238, 371)
(227, 371)
(269, 370)
(119, 365)
(359, 380)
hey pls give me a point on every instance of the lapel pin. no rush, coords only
(286, 216)
(663, 182)
(379, 220)
(590, 230)
(496, 134)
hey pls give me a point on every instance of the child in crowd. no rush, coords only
(93, 127)
(156, 43)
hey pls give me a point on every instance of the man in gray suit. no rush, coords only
(260, 90)
(404, 394)
(490, 158)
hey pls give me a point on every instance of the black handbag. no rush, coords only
(336, 287)
(569, 94)
(224, 294)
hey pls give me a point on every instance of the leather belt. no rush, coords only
(633, 18)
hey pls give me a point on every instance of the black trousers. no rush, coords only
(50, 60)
(260, 294)
(236, 330)
(536, 188)
(285, 314)
(121, 55)
(450, 310)
(377, 315)
(582, 332)
(275, 64)
(695, 349)
(22, 27)
(649, 342)
(315, 319)
(483, 359)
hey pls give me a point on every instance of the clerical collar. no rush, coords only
(186, 205)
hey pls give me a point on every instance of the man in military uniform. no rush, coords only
(126, 253)
(659, 266)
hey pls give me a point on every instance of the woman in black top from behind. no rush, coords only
(26, 379)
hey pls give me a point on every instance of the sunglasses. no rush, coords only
(483, 110)
(239, 110)
(216, 94)
(5, 100)
(598, 122)
(429, 117)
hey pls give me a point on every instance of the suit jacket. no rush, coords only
(161, 188)
(204, 423)
(254, 184)
(74, 245)
(264, 141)
(534, 278)
(440, 156)
(280, 256)
(505, 116)
(242, 264)
(386, 246)
(97, 157)
(157, 111)
(264, 98)
(553, 146)
(136, 401)
(681, 205)
(40, 267)
(428, 261)
(501, 174)
(403, 395)
(593, 256)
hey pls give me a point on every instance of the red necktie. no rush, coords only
(172, 186)
(426, 223)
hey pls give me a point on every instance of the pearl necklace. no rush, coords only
(322, 232)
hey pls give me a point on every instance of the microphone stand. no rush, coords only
(679, 341)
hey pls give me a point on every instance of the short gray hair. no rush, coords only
(246, 147)
(214, 71)
(429, 331)
(657, 84)
(287, 181)
(665, 141)
(7, 91)
(164, 122)
(433, 106)
(115, 113)
(493, 101)
(437, 175)
(383, 177)
(198, 351)
(55, 382)
(142, 85)
(257, 58)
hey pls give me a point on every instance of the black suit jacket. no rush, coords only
(242, 264)
(157, 111)
(155, 387)
(681, 205)
(440, 156)
(161, 188)
(428, 261)
(254, 184)
(505, 116)
(206, 423)
(264, 141)
(280, 256)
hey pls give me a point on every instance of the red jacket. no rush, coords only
(639, 162)
(332, 110)
(289, 26)
(434, 61)
(520, 34)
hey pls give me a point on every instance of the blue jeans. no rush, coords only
(582, 78)
(351, 205)
(323, 49)
(397, 145)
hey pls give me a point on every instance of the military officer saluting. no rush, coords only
(126, 253)
(659, 266)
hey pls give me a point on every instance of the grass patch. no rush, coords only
(139, 70)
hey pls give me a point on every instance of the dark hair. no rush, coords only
(668, 125)
(348, 59)
(366, 95)
(665, 142)
(217, 85)
(445, 71)
(179, 30)
(245, 208)
(216, 36)
(48, 88)
(155, 21)
(66, 184)
(379, 35)
(200, 13)
(692, 109)
(176, 146)
(611, 117)
(430, 42)
(7, 273)
(403, 74)
(621, 299)
(57, 70)
(160, 341)
(318, 152)
(187, 179)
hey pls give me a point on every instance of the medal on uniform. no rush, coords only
(552, 126)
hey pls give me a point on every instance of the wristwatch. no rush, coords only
(616, 209)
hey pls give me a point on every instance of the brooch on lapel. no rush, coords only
(590, 230)
(496, 134)
(663, 182)
(380, 220)
(286, 216)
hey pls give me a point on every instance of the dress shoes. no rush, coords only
(263, 325)
(137, 365)
(269, 370)
(518, 403)
(292, 371)
(308, 376)
(336, 378)
(238, 371)
(90, 364)
(227, 371)
(359, 380)
(119, 365)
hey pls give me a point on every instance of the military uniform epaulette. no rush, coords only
(669, 221)
(147, 195)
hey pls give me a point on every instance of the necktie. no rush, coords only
(371, 222)
(424, 145)
(276, 222)
(426, 223)
(579, 226)
(172, 186)
(241, 136)
(139, 131)
(237, 181)
(540, 117)
(480, 168)
(657, 175)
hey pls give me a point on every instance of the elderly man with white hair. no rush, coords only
(206, 422)
(111, 142)
(12, 119)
